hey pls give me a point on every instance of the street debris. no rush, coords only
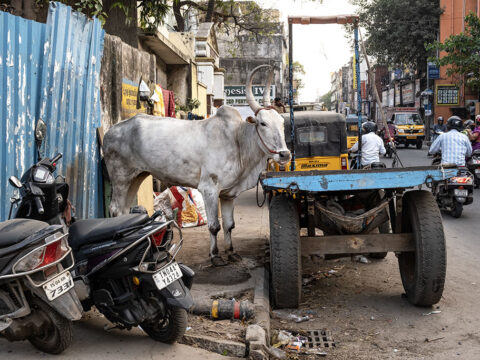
(223, 309)
(285, 315)
(432, 340)
(432, 313)
(312, 342)
(361, 259)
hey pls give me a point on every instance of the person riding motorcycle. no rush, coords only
(453, 145)
(391, 129)
(468, 127)
(474, 135)
(439, 128)
(372, 144)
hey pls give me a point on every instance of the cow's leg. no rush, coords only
(228, 223)
(209, 192)
(118, 205)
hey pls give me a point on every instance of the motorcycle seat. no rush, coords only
(14, 231)
(92, 231)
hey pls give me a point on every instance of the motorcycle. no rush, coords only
(473, 165)
(124, 266)
(454, 193)
(37, 299)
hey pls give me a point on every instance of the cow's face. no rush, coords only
(271, 136)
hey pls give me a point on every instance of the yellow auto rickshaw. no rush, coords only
(320, 141)
(352, 129)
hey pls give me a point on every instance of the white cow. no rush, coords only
(221, 156)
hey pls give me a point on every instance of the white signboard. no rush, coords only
(235, 95)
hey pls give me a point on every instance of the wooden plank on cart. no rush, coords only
(356, 244)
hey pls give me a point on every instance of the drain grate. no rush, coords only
(319, 339)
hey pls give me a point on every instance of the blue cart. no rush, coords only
(358, 212)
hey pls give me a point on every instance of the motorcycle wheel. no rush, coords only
(57, 336)
(456, 210)
(419, 144)
(168, 329)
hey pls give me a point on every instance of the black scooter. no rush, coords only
(124, 266)
(473, 165)
(454, 193)
(37, 299)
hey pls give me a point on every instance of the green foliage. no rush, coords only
(191, 105)
(326, 99)
(461, 53)
(397, 30)
(91, 8)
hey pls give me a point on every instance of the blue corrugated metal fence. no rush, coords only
(51, 71)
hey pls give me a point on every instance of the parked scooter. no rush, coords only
(473, 165)
(37, 300)
(452, 194)
(125, 266)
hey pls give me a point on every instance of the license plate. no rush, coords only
(411, 137)
(460, 192)
(167, 275)
(58, 286)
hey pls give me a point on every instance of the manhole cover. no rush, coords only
(319, 339)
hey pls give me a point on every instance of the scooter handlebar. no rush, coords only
(56, 158)
(39, 205)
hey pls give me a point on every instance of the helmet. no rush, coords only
(369, 127)
(390, 121)
(477, 119)
(454, 122)
(469, 124)
(440, 118)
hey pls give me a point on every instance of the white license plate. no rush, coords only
(460, 192)
(167, 275)
(58, 286)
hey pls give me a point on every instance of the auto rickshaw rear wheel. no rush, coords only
(285, 255)
(423, 270)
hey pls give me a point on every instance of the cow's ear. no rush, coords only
(251, 120)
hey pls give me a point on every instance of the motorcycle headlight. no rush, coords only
(40, 174)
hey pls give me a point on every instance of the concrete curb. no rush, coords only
(258, 335)
(219, 346)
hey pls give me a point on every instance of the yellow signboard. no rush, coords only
(129, 100)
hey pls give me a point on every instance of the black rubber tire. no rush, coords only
(169, 329)
(382, 229)
(285, 255)
(456, 210)
(423, 271)
(58, 336)
(419, 144)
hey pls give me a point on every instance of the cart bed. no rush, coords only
(350, 180)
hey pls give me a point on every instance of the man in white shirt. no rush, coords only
(372, 144)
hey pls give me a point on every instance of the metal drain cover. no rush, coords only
(319, 339)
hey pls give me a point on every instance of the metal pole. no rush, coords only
(290, 98)
(427, 118)
(359, 97)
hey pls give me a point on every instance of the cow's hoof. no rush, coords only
(217, 261)
(234, 257)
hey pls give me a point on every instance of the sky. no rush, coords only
(321, 49)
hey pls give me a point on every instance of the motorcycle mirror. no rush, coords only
(40, 130)
(15, 182)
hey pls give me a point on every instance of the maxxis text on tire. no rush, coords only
(58, 336)
(285, 256)
(423, 271)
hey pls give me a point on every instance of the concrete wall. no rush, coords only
(121, 61)
(178, 81)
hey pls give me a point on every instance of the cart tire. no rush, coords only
(423, 271)
(285, 256)
(419, 144)
(456, 210)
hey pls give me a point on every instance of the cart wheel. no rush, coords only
(419, 144)
(423, 271)
(285, 258)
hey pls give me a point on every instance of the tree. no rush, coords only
(326, 99)
(397, 30)
(462, 53)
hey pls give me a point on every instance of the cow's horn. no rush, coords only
(254, 105)
(266, 92)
